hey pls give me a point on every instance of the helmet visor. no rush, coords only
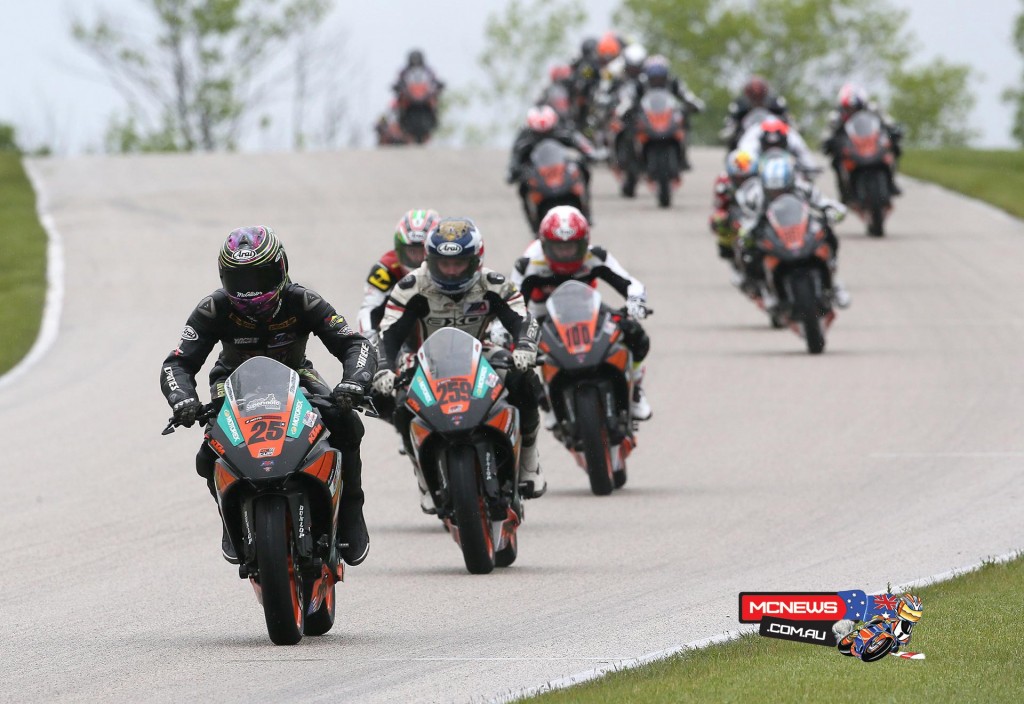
(411, 255)
(452, 272)
(252, 282)
(565, 252)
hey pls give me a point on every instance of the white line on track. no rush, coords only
(54, 286)
(595, 673)
(944, 455)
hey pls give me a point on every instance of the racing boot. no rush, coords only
(639, 408)
(426, 499)
(353, 538)
(227, 548)
(532, 483)
(840, 296)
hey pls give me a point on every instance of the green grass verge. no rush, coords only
(996, 177)
(970, 635)
(22, 263)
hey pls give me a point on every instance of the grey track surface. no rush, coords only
(894, 455)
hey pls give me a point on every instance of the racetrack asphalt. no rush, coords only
(895, 454)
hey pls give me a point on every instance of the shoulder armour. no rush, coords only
(521, 264)
(495, 278)
(600, 252)
(407, 282)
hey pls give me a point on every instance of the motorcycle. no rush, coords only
(278, 485)
(867, 160)
(586, 373)
(465, 440)
(797, 284)
(553, 177)
(660, 139)
(417, 104)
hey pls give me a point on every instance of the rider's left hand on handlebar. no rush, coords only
(835, 214)
(347, 395)
(636, 307)
(185, 411)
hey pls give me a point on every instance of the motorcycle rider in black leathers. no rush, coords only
(259, 312)
(756, 94)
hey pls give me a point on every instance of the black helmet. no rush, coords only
(253, 270)
(415, 57)
(589, 47)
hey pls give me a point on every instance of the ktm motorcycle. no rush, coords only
(796, 290)
(553, 177)
(278, 485)
(465, 440)
(867, 160)
(586, 372)
(660, 138)
(417, 105)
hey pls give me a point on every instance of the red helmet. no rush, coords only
(608, 47)
(852, 98)
(774, 134)
(565, 239)
(541, 118)
(560, 72)
(756, 90)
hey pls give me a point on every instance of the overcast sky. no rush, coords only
(56, 95)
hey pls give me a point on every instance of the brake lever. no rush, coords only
(206, 413)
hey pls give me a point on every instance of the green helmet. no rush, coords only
(410, 234)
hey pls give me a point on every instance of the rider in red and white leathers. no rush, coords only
(563, 252)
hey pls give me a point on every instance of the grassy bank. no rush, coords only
(22, 263)
(970, 635)
(996, 177)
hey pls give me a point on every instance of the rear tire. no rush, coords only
(805, 310)
(877, 196)
(470, 511)
(594, 433)
(664, 168)
(284, 605)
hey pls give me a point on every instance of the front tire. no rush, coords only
(805, 311)
(284, 605)
(877, 197)
(594, 434)
(664, 166)
(470, 511)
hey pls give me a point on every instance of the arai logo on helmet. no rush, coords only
(565, 232)
(449, 248)
(243, 255)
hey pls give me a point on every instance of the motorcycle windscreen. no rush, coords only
(755, 117)
(550, 160)
(659, 107)
(266, 421)
(864, 130)
(417, 84)
(454, 387)
(572, 331)
(790, 219)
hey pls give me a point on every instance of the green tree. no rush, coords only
(522, 40)
(8, 138)
(933, 104)
(806, 49)
(192, 85)
(1015, 96)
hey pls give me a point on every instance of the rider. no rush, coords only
(260, 312)
(739, 166)
(778, 175)
(563, 252)
(756, 93)
(586, 74)
(415, 60)
(658, 75)
(410, 234)
(452, 289)
(852, 99)
(542, 123)
(773, 133)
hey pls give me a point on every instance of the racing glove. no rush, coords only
(636, 307)
(185, 410)
(384, 382)
(347, 394)
(524, 357)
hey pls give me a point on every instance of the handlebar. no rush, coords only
(325, 403)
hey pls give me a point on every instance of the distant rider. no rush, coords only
(260, 312)
(851, 100)
(739, 167)
(756, 93)
(563, 252)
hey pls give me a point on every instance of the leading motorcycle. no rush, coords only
(660, 138)
(278, 485)
(553, 177)
(417, 105)
(586, 373)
